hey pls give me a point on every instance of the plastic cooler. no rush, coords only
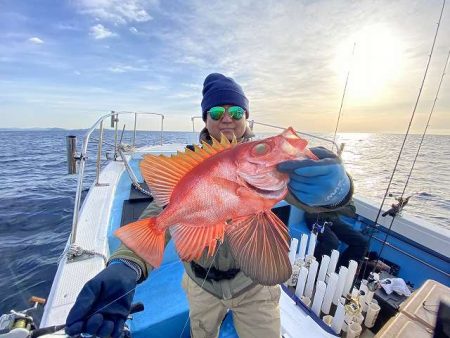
(417, 317)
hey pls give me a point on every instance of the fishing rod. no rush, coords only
(404, 201)
(401, 151)
(343, 97)
(20, 324)
(135, 307)
(428, 121)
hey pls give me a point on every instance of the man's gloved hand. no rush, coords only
(104, 303)
(322, 182)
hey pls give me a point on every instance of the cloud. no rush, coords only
(116, 11)
(283, 54)
(36, 40)
(100, 32)
(126, 68)
(153, 87)
(288, 64)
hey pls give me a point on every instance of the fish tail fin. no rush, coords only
(145, 239)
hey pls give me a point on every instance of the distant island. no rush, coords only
(32, 129)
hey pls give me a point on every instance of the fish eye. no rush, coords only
(260, 149)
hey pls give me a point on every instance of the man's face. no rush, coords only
(226, 125)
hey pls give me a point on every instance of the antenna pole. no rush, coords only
(343, 97)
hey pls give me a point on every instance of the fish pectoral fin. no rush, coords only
(260, 244)
(190, 241)
(145, 239)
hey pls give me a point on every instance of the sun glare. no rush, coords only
(374, 63)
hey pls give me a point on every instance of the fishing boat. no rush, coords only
(316, 299)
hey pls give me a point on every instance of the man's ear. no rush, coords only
(248, 132)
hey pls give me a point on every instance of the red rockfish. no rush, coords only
(224, 190)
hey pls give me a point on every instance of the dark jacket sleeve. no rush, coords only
(152, 210)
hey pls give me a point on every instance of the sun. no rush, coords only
(374, 62)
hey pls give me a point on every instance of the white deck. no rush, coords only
(92, 235)
(295, 322)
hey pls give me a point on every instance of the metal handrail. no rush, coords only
(339, 148)
(83, 156)
(193, 121)
(99, 124)
(413, 257)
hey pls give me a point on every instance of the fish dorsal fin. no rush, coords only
(162, 173)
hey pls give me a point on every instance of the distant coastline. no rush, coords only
(184, 131)
(33, 129)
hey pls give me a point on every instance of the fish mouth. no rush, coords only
(268, 193)
(267, 183)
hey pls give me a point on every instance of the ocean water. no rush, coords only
(37, 195)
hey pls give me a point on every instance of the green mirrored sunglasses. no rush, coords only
(235, 112)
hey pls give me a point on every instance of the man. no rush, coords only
(212, 284)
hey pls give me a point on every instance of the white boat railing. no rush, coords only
(114, 116)
(339, 148)
(82, 157)
(252, 123)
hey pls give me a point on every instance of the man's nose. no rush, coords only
(226, 117)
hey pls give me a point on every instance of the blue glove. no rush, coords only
(104, 303)
(322, 182)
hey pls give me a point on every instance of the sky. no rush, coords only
(64, 63)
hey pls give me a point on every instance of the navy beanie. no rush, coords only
(219, 90)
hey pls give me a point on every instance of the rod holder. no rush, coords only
(71, 142)
(114, 119)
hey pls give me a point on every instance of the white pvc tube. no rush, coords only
(362, 299)
(318, 297)
(355, 292)
(303, 243)
(329, 293)
(372, 314)
(354, 330)
(311, 244)
(292, 281)
(340, 284)
(333, 261)
(301, 282)
(352, 266)
(358, 318)
(338, 319)
(348, 319)
(293, 250)
(367, 300)
(311, 279)
(323, 268)
(369, 297)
